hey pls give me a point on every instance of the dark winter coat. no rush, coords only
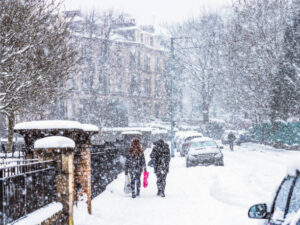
(135, 163)
(231, 137)
(161, 157)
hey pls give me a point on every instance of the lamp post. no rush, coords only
(172, 110)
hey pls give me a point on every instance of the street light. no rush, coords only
(172, 76)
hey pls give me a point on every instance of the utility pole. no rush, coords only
(172, 92)
(172, 69)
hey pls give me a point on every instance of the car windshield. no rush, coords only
(282, 198)
(203, 144)
(295, 198)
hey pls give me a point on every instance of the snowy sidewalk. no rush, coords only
(198, 195)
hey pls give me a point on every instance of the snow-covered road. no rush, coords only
(197, 195)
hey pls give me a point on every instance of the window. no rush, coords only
(147, 63)
(147, 86)
(119, 59)
(295, 199)
(204, 144)
(119, 81)
(142, 38)
(151, 41)
(134, 88)
(85, 81)
(157, 65)
(281, 199)
(132, 60)
(138, 59)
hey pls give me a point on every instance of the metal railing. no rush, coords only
(18, 152)
(25, 186)
(105, 166)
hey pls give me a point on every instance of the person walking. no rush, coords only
(231, 138)
(134, 165)
(161, 157)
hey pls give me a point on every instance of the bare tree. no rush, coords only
(201, 57)
(35, 56)
(255, 35)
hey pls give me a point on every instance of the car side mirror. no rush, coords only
(259, 211)
(221, 147)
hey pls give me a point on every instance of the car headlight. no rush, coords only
(219, 155)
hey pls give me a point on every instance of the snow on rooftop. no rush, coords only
(54, 142)
(49, 124)
(55, 124)
(90, 127)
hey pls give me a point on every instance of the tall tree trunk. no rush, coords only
(205, 112)
(11, 124)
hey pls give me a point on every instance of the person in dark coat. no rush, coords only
(231, 138)
(161, 157)
(134, 165)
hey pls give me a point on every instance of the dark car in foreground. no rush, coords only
(204, 151)
(285, 209)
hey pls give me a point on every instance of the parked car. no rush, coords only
(185, 143)
(241, 137)
(204, 151)
(285, 208)
(244, 137)
(182, 136)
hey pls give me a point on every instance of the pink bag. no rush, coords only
(146, 175)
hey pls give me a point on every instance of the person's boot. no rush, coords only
(138, 192)
(133, 195)
(158, 193)
(162, 194)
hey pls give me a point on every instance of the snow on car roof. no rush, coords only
(200, 139)
(131, 133)
(124, 129)
(54, 142)
(184, 134)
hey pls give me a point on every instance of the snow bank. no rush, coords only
(40, 215)
(55, 124)
(54, 142)
(293, 167)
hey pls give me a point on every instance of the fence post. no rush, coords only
(83, 175)
(64, 158)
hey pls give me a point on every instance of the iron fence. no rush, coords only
(25, 186)
(105, 165)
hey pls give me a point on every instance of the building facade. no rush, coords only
(122, 77)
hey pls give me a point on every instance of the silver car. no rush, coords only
(204, 151)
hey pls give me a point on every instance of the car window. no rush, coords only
(295, 198)
(204, 144)
(282, 197)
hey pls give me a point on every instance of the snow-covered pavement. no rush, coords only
(197, 195)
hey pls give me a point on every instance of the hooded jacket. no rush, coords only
(161, 157)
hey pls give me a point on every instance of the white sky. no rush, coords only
(150, 11)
